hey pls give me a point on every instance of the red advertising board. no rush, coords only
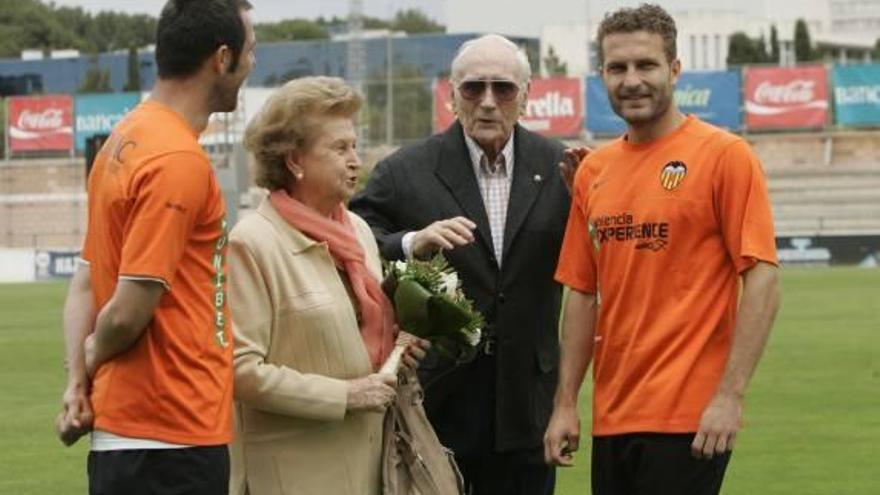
(786, 97)
(554, 108)
(41, 123)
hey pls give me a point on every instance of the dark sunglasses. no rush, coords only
(502, 89)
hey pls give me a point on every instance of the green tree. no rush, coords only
(414, 21)
(534, 56)
(774, 44)
(876, 54)
(761, 51)
(803, 47)
(96, 79)
(134, 71)
(412, 105)
(743, 50)
(553, 66)
(28, 24)
(290, 30)
(80, 23)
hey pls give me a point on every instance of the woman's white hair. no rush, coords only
(521, 57)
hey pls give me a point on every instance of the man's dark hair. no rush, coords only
(646, 17)
(190, 31)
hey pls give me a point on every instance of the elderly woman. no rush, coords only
(312, 325)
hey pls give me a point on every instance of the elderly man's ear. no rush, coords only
(524, 103)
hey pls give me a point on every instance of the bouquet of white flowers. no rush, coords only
(430, 304)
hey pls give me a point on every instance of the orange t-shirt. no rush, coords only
(660, 232)
(156, 212)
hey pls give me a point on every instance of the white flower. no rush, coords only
(473, 337)
(399, 266)
(449, 283)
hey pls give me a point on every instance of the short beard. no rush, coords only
(663, 105)
(223, 98)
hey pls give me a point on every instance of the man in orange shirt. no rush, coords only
(146, 322)
(665, 224)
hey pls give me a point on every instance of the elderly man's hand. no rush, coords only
(442, 234)
(416, 349)
(571, 158)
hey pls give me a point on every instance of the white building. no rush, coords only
(703, 36)
(859, 19)
(704, 26)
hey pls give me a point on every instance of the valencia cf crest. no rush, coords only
(673, 175)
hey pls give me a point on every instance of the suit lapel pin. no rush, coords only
(537, 178)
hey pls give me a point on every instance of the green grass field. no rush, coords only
(812, 411)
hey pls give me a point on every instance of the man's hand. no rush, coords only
(562, 437)
(416, 349)
(571, 158)
(721, 420)
(76, 416)
(442, 234)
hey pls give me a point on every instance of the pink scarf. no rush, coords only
(377, 322)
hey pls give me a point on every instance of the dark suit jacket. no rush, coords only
(433, 180)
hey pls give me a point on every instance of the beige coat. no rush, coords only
(296, 342)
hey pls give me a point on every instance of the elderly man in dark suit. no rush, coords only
(489, 193)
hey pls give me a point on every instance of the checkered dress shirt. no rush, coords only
(494, 180)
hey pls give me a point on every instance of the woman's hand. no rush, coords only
(371, 393)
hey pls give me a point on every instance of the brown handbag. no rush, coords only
(413, 460)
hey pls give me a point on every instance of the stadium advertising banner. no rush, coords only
(857, 94)
(554, 107)
(51, 264)
(601, 119)
(713, 96)
(40, 123)
(861, 250)
(97, 114)
(786, 97)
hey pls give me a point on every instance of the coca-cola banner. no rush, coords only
(554, 107)
(786, 97)
(713, 96)
(857, 94)
(41, 123)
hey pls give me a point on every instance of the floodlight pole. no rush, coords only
(355, 60)
(389, 91)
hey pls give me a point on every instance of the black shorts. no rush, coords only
(654, 464)
(187, 471)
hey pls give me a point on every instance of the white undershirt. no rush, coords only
(103, 441)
